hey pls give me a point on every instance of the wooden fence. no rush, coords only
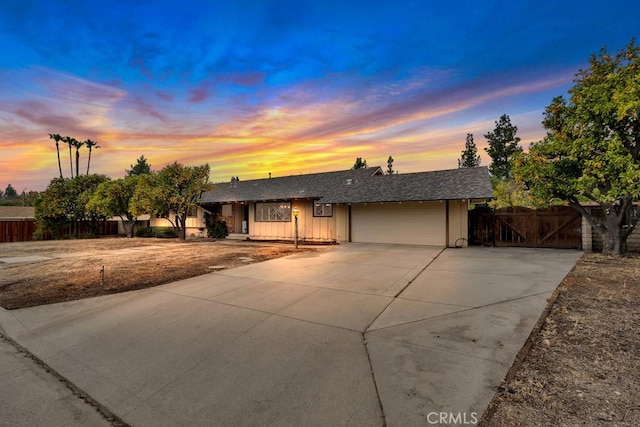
(553, 227)
(23, 230)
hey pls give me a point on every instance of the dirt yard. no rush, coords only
(73, 269)
(583, 367)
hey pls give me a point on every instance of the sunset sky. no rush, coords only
(287, 87)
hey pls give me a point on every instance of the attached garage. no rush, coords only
(357, 205)
(401, 223)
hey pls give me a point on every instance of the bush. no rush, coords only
(217, 230)
(165, 232)
(144, 232)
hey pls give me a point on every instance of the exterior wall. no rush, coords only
(458, 223)
(310, 228)
(341, 212)
(195, 227)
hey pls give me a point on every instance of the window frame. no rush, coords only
(276, 211)
(324, 206)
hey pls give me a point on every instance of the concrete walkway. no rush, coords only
(355, 335)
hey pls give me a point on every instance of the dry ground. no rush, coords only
(583, 367)
(75, 270)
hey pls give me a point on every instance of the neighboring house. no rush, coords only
(17, 213)
(362, 205)
(17, 223)
(196, 222)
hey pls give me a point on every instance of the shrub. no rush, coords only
(144, 232)
(217, 230)
(165, 232)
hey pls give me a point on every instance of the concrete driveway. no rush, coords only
(357, 335)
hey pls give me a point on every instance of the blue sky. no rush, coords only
(286, 87)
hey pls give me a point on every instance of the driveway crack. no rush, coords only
(373, 377)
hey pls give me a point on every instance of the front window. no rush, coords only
(322, 209)
(278, 211)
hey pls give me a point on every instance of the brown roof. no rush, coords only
(17, 212)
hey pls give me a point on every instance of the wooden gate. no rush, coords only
(553, 227)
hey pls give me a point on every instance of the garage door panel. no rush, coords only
(406, 223)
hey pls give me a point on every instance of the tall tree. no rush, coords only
(10, 192)
(57, 138)
(172, 192)
(64, 202)
(77, 144)
(360, 164)
(503, 146)
(592, 148)
(469, 157)
(390, 166)
(90, 145)
(114, 198)
(142, 167)
(70, 142)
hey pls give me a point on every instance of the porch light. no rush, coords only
(296, 212)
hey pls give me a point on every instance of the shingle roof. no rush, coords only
(17, 212)
(313, 185)
(453, 184)
(359, 186)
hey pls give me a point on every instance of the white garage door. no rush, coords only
(404, 223)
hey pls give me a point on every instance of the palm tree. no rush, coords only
(57, 138)
(69, 141)
(78, 145)
(90, 145)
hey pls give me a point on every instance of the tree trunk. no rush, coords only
(59, 164)
(77, 162)
(612, 228)
(612, 243)
(129, 226)
(70, 161)
(182, 231)
(89, 161)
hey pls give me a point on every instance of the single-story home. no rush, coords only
(362, 205)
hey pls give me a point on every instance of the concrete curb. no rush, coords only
(79, 393)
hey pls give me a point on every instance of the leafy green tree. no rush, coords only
(172, 192)
(53, 208)
(360, 164)
(64, 202)
(591, 152)
(114, 198)
(503, 146)
(469, 157)
(142, 167)
(390, 166)
(508, 193)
